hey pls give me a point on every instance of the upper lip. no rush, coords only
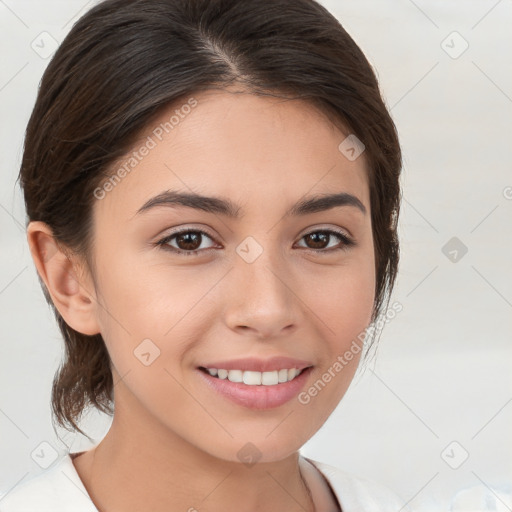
(259, 365)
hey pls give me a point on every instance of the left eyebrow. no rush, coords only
(326, 202)
(222, 206)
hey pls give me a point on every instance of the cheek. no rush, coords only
(342, 305)
(342, 300)
(349, 308)
(153, 300)
(149, 320)
(142, 319)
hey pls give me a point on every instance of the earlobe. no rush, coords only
(73, 297)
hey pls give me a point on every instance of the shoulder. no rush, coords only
(355, 493)
(58, 489)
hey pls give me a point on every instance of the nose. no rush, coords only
(261, 301)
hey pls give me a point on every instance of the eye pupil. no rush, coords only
(189, 242)
(189, 238)
(320, 237)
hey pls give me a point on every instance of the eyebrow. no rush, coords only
(222, 206)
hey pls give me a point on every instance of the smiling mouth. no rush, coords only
(255, 378)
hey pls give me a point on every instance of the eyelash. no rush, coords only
(347, 242)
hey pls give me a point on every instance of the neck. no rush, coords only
(139, 468)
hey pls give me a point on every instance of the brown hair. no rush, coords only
(126, 60)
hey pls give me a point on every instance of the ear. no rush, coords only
(74, 298)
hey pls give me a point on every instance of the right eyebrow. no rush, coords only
(224, 206)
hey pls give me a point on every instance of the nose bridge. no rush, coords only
(259, 266)
(261, 298)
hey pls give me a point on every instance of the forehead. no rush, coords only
(239, 145)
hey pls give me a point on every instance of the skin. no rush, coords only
(173, 442)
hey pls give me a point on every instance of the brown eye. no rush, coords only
(188, 242)
(319, 241)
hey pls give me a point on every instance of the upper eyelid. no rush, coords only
(337, 231)
(305, 232)
(188, 230)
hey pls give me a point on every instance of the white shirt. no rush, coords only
(60, 489)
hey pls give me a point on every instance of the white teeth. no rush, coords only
(252, 378)
(235, 375)
(283, 375)
(270, 378)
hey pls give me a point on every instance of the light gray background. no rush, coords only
(443, 367)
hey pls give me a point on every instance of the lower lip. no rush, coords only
(257, 397)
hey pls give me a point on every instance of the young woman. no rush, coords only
(212, 189)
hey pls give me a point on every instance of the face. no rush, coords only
(254, 273)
